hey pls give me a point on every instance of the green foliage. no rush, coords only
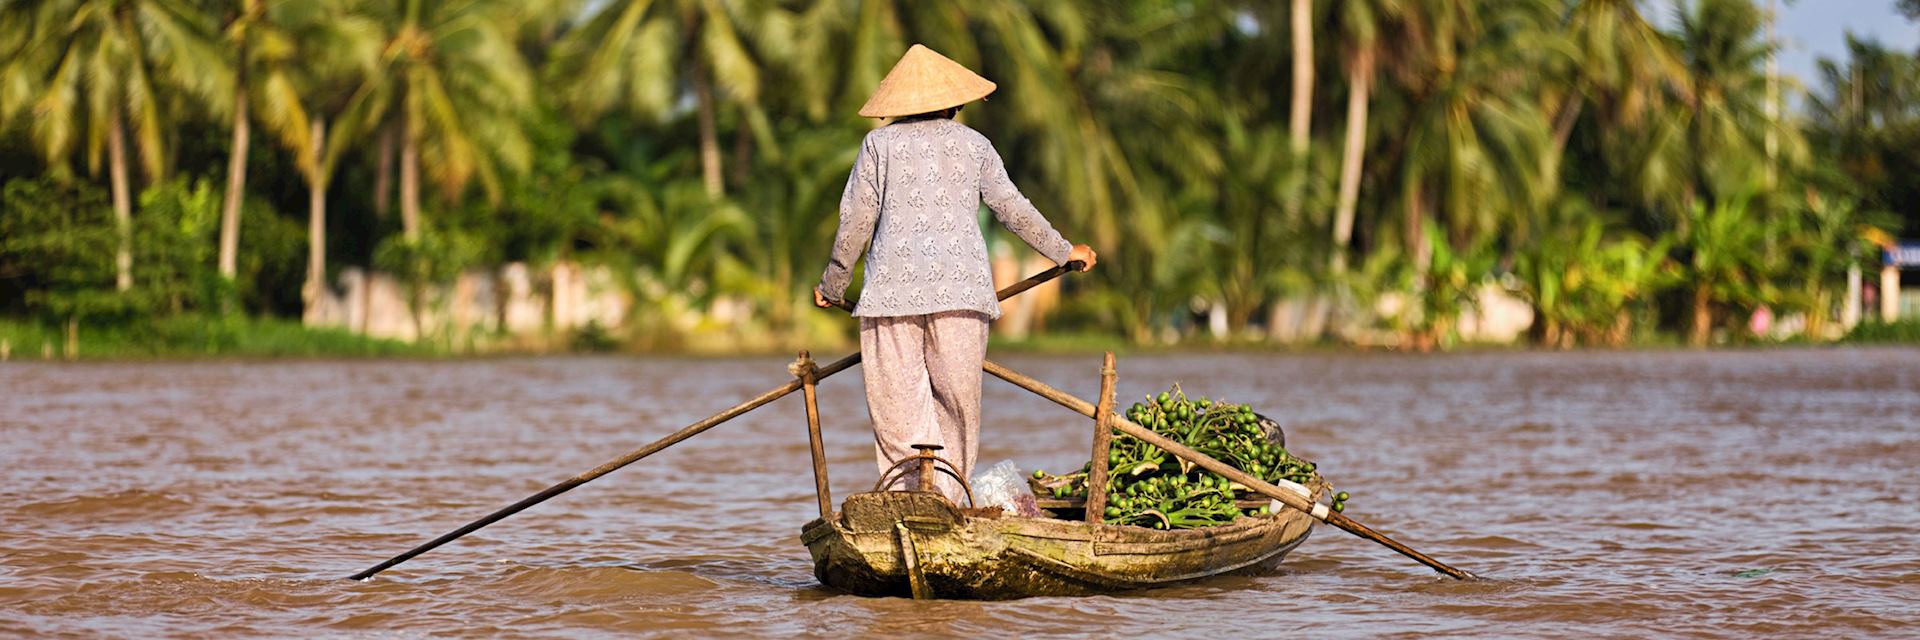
(57, 244)
(1729, 256)
(75, 68)
(273, 248)
(1865, 117)
(174, 248)
(1449, 286)
(1149, 487)
(1584, 279)
(1905, 331)
(594, 338)
(426, 266)
(200, 335)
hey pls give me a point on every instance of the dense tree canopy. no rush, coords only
(1619, 177)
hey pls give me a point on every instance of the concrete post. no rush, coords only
(1889, 293)
(1850, 308)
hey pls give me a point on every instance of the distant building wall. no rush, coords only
(514, 299)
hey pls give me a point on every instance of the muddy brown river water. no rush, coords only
(1635, 494)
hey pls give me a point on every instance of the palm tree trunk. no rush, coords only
(316, 216)
(236, 176)
(409, 183)
(1702, 315)
(1698, 196)
(1300, 119)
(1563, 126)
(709, 135)
(1772, 109)
(1415, 221)
(122, 201)
(784, 307)
(1142, 325)
(742, 151)
(383, 171)
(1421, 334)
(1352, 157)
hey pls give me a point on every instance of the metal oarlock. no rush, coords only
(929, 464)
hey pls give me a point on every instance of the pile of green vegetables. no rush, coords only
(1150, 487)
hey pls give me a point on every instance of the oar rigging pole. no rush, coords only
(674, 438)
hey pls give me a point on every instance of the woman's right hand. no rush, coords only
(1084, 254)
(820, 299)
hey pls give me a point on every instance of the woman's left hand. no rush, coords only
(1085, 255)
(820, 299)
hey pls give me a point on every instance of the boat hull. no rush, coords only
(868, 547)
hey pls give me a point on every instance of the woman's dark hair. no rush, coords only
(947, 113)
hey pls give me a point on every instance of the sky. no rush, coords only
(1811, 29)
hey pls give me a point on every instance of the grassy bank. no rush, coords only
(1897, 332)
(196, 336)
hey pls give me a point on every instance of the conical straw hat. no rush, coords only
(924, 81)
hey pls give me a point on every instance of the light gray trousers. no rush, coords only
(923, 387)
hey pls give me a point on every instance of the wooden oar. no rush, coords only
(1299, 500)
(1012, 290)
(673, 438)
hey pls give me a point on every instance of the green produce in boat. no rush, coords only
(1147, 487)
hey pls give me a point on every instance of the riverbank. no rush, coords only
(186, 337)
(194, 337)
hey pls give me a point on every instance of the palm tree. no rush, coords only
(1361, 23)
(85, 71)
(1724, 59)
(1728, 261)
(1623, 66)
(1475, 136)
(318, 52)
(633, 52)
(1725, 129)
(1300, 115)
(275, 49)
(452, 82)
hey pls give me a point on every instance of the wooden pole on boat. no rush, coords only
(1102, 439)
(673, 438)
(1298, 500)
(804, 369)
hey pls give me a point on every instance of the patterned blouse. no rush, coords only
(915, 193)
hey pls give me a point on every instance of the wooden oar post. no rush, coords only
(1102, 441)
(803, 369)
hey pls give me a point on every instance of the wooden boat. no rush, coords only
(881, 543)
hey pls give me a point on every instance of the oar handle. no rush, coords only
(1012, 290)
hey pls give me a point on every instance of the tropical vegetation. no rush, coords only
(1625, 173)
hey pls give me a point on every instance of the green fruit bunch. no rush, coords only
(1149, 487)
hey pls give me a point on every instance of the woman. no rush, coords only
(914, 195)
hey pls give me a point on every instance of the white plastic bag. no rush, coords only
(1004, 486)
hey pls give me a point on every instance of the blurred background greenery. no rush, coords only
(196, 176)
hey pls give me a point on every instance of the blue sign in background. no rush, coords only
(1904, 255)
